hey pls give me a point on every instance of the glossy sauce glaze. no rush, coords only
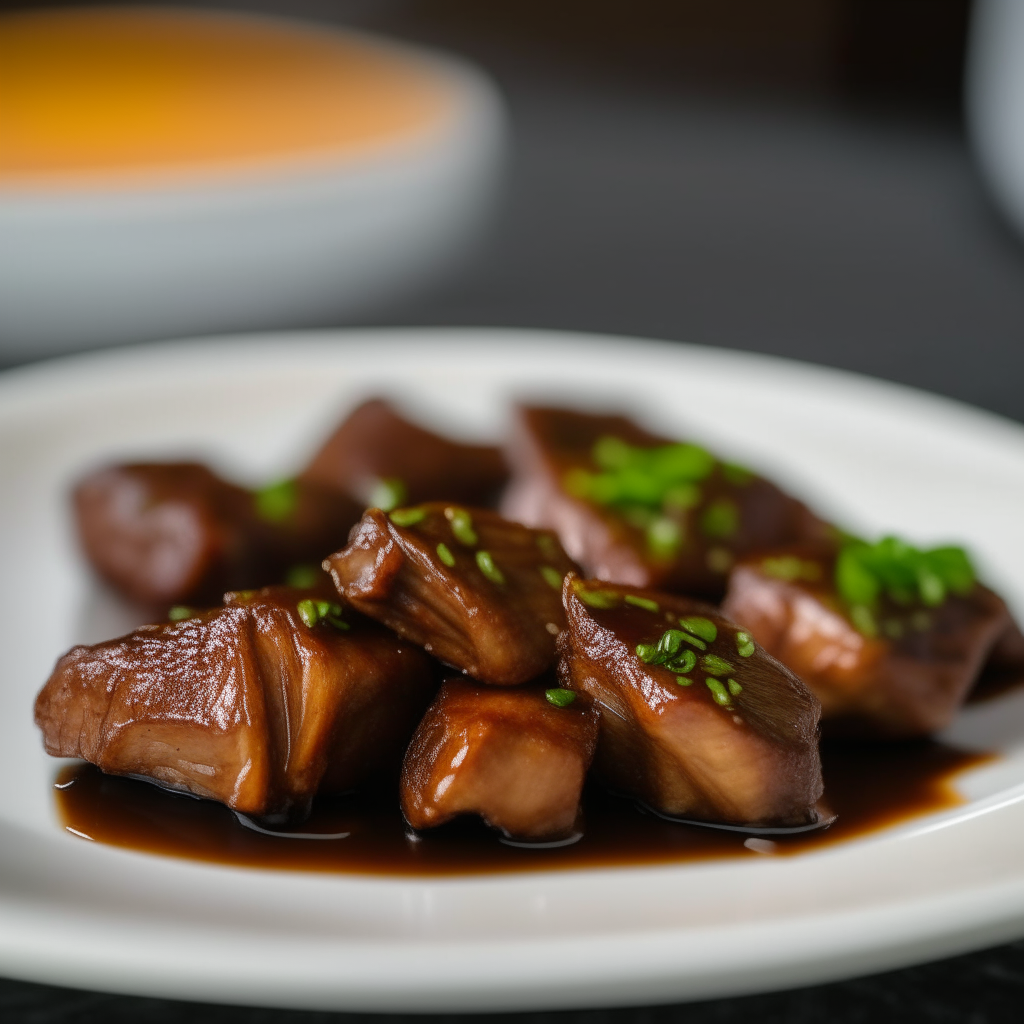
(868, 787)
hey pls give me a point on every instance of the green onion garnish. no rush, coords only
(277, 501)
(642, 602)
(179, 612)
(387, 494)
(485, 563)
(699, 626)
(744, 645)
(560, 697)
(408, 516)
(302, 576)
(552, 577)
(445, 554)
(462, 525)
(715, 665)
(721, 519)
(308, 612)
(718, 691)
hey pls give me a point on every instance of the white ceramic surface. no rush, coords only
(269, 246)
(995, 100)
(877, 455)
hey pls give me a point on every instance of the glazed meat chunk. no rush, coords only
(381, 459)
(516, 757)
(889, 638)
(697, 722)
(634, 508)
(167, 533)
(480, 593)
(257, 704)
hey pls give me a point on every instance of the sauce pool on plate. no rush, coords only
(868, 787)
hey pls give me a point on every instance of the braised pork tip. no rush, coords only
(258, 704)
(882, 663)
(478, 592)
(635, 508)
(515, 757)
(382, 459)
(697, 721)
(163, 533)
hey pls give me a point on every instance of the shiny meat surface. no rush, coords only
(478, 592)
(907, 680)
(165, 533)
(380, 458)
(246, 704)
(508, 755)
(675, 522)
(697, 721)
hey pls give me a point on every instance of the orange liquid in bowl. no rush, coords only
(99, 95)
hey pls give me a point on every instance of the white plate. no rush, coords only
(880, 456)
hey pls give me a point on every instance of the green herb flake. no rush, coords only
(308, 612)
(560, 697)
(745, 646)
(302, 576)
(734, 688)
(552, 577)
(670, 642)
(721, 519)
(485, 563)
(664, 537)
(699, 626)
(719, 692)
(445, 554)
(548, 546)
(642, 602)
(863, 619)
(716, 666)
(596, 598)
(680, 497)
(646, 653)
(462, 525)
(408, 516)
(685, 661)
(738, 476)
(683, 681)
(179, 613)
(388, 494)
(276, 502)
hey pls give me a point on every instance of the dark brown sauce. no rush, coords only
(868, 786)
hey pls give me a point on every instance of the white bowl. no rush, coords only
(265, 245)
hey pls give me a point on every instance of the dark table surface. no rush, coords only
(781, 226)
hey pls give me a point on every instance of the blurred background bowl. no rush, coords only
(228, 237)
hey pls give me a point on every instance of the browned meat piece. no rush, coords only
(634, 508)
(510, 755)
(165, 533)
(896, 668)
(384, 460)
(478, 592)
(697, 721)
(247, 704)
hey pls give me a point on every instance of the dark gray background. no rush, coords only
(788, 201)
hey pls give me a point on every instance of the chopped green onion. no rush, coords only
(683, 662)
(734, 688)
(664, 537)
(462, 525)
(388, 493)
(719, 692)
(721, 519)
(179, 612)
(308, 612)
(745, 646)
(699, 626)
(681, 497)
(642, 602)
(864, 619)
(408, 516)
(549, 547)
(716, 666)
(646, 653)
(683, 681)
(670, 642)
(277, 501)
(302, 576)
(738, 476)
(560, 697)
(485, 563)
(596, 598)
(445, 554)
(552, 577)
